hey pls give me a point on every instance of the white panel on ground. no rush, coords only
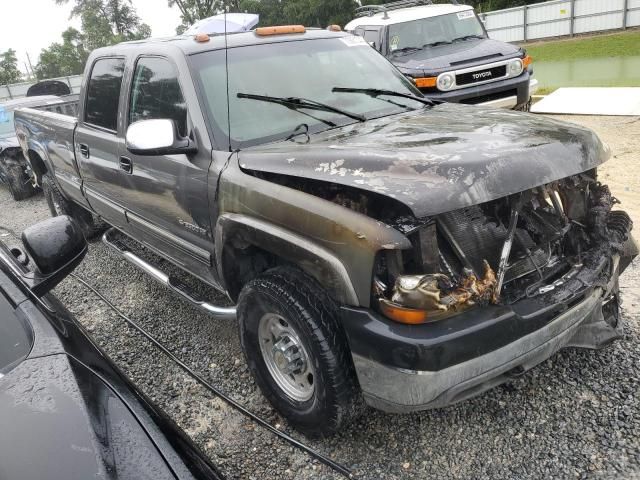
(591, 101)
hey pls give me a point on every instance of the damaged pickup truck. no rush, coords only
(378, 245)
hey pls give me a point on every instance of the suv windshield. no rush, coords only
(295, 74)
(6, 123)
(425, 32)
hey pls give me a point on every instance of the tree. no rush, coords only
(9, 72)
(63, 59)
(105, 22)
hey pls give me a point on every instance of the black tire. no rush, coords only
(336, 399)
(19, 183)
(58, 205)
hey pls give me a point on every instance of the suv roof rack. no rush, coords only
(369, 10)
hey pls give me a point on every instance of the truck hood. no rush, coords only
(438, 159)
(454, 56)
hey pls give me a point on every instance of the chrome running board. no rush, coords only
(172, 283)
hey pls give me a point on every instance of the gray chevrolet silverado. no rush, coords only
(379, 246)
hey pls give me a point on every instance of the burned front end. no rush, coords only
(490, 290)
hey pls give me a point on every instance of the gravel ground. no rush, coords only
(577, 415)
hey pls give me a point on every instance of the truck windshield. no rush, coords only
(6, 123)
(291, 72)
(427, 32)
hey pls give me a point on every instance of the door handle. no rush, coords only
(84, 150)
(126, 164)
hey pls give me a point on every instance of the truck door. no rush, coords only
(96, 140)
(166, 195)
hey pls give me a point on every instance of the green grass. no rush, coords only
(611, 45)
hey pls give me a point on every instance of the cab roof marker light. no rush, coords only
(280, 30)
(201, 38)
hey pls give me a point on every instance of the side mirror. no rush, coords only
(157, 137)
(56, 246)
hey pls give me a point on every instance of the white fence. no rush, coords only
(561, 17)
(18, 90)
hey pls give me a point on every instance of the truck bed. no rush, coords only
(47, 139)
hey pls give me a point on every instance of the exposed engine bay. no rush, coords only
(549, 243)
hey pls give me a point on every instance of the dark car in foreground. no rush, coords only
(66, 412)
(14, 168)
(445, 49)
(377, 244)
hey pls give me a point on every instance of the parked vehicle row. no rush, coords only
(380, 244)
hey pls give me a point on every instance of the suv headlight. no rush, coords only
(446, 81)
(515, 67)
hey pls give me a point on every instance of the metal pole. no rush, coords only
(524, 22)
(625, 11)
(573, 6)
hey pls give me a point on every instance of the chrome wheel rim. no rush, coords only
(286, 357)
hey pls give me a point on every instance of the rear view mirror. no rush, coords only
(56, 246)
(157, 137)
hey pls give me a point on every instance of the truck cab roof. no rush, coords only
(189, 45)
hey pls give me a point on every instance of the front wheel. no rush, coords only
(298, 352)
(58, 205)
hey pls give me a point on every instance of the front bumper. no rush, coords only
(508, 93)
(431, 369)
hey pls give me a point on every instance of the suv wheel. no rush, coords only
(298, 352)
(18, 181)
(58, 205)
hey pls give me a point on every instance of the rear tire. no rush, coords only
(304, 369)
(90, 224)
(19, 183)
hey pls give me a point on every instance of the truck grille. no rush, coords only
(481, 75)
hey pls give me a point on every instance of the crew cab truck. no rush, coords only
(445, 49)
(378, 245)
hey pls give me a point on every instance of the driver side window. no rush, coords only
(156, 93)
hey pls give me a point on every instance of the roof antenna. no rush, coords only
(226, 64)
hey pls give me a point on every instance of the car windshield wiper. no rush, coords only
(467, 37)
(434, 44)
(295, 103)
(374, 92)
(404, 50)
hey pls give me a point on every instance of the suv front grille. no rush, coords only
(481, 75)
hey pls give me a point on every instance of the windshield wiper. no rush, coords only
(374, 92)
(434, 44)
(467, 37)
(295, 103)
(405, 50)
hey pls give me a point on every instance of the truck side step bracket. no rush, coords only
(172, 283)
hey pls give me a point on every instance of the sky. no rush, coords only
(28, 26)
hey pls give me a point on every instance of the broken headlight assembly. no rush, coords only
(551, 242)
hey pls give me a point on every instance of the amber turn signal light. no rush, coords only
(201, 38)
(280, 30)
(402, 314)
(425, 82)
(526, 61)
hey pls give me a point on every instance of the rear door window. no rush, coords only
(156, 93)
(103, 93)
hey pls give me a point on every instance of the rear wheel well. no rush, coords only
(38, 166)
